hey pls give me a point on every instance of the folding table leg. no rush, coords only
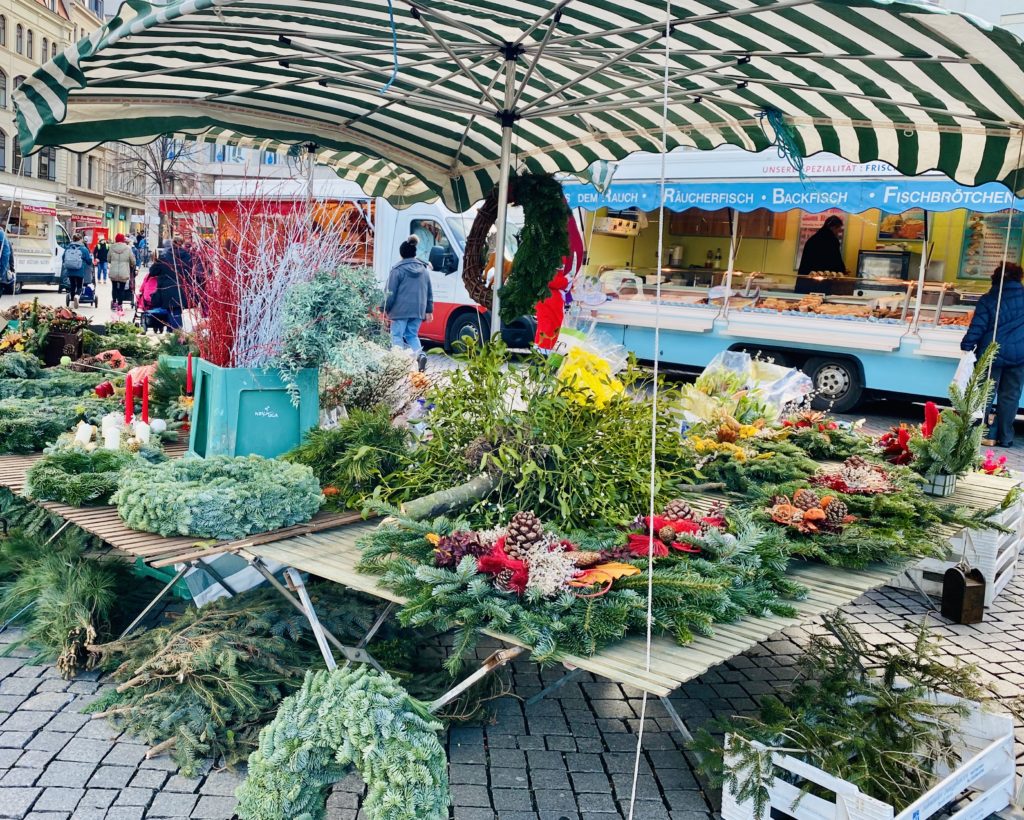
(318, 631)
(569, 676)
(159, 597)
(676, 719)
(216, 576)
(494, 661)
(925, 598)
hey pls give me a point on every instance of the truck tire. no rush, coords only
(837, 383)
(470, 323)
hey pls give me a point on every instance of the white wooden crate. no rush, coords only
(987, 774)
(992, 552)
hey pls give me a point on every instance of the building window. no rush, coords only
(22, 165)
(78, 170)
(19, 39)
(53, 50)
(3, 30)
(76, 34)
(3, 151)
(44, 52)
(3, 89)
(92, 173)
(30, 50)
(48, 163)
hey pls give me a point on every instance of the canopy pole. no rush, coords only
(925, 254)
(732, 261)
(507, 118)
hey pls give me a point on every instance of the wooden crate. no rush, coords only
(987, 773)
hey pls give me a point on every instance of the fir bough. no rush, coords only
(350, 716)
(28, 425)
(350, 460)
(20, 366)
(953, 445)
(76, 476)
(859, 712)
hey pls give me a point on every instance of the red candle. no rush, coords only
(188, 376)
(145, 400)
(129, 400)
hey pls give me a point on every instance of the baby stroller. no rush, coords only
(149, 317)
(88, 294)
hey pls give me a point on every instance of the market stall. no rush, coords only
(917, 253)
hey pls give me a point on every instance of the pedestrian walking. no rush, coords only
(122, 269)
(1008, 371)
(8, 276)
(75, 266)
(409, 301)
(102, 254)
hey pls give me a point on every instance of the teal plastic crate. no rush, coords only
(164, 576)
(240, 411)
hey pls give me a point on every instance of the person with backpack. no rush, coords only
(122, 269)
(102, 254)
(7, 274)
(75, 266)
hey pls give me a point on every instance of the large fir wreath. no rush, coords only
(219, 497)
(357, 717)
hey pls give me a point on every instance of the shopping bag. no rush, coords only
(964, 369)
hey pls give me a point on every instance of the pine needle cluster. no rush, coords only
(859, 712)
(351, 459)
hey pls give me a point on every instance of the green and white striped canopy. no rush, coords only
(414, 109)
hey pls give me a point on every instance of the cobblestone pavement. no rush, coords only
(569, 756)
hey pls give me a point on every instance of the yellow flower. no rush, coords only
(433, 538)
(589, 378)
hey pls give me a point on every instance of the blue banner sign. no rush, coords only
(893, 195)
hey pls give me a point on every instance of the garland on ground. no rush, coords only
(220, 497)
(76, 476)
(205, 683)
(20, 366)
(351, 716)
(53, 382)
(859, 712)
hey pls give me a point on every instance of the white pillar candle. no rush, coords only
(111, 427)
(83, 433)
(142, 431)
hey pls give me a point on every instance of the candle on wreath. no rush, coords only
(129, 400)
(188, 376)
(145, 400)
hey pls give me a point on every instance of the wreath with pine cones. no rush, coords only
(543, 241)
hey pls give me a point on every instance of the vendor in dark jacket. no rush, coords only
(1008, 371)
(823, 253)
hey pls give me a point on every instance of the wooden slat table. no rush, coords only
(155, 550)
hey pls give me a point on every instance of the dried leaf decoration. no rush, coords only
(604, 574)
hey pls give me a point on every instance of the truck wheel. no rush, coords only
(469, 323)
(837, 384)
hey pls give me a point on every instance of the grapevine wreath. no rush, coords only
(543, 241)
(352, 716)
(219, 497)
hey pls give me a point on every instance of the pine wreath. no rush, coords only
(543, 242)
(76, 477)
(351, 716)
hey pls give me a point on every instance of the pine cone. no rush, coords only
(806, 499)
(835, 514)
(667, 534)
(524, 530)
(679, 510)
(502, 580)
(857, 463)
(586, 558)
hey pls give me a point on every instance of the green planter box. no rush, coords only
(178, 362)
(240, 411)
